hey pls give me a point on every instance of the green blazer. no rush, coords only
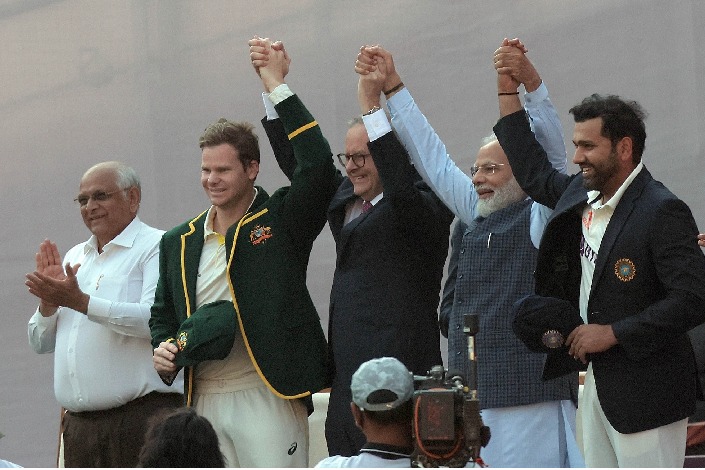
(268, 252)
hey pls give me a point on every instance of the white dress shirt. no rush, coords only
(596, 217)
(103, 359)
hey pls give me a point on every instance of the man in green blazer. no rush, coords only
(232, 304)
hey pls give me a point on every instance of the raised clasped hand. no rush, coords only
(270, 60)
(377, 64)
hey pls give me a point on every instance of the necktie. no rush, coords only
(366, 206)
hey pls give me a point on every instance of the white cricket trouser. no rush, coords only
(604, 447)
(255, 427)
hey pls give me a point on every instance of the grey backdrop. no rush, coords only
(83, 81)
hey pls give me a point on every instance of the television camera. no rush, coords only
(446, 425)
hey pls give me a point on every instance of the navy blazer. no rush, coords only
(389, 267)
(649, 283)
(389, 264)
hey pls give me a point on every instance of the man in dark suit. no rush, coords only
(623, 249)
(491, 265)
(389, 266)
(391, 234)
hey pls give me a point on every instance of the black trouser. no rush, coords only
(114, 437)
(343, 437)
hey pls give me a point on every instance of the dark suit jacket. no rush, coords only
(389, 265)
(268, 252)
(648, 379)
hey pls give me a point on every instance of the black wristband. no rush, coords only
(393, 89)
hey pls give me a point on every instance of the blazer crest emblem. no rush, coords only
(182, 340)
(625, 269)
(260, 234)
(552, 339)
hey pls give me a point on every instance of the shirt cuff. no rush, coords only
(269, 107)
(43, 321)
(98, 308)
(536, 96)
(376, 124)
(280, 93)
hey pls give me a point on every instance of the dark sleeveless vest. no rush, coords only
(496, 267)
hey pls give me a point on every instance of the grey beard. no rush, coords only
(503, 196)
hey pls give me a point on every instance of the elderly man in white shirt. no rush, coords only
(95, 320)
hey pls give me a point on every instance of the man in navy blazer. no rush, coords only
(389, 266)
(391, 235)
(623, 249)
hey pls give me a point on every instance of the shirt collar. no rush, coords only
(208, 231)
(376, 199)
(594, 197)
(126, 238)
(386, 451)
(208, 223)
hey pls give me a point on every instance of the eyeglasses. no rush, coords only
(98, 196)
(358, 159)
(487, 169)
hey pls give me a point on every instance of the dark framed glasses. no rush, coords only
(358, 159)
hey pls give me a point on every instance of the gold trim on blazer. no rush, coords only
(242, 222)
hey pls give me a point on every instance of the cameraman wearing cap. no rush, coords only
(381, 393)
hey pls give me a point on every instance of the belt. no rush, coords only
(171, 399)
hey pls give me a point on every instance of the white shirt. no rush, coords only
(370, 456)
(363, 460)
(596, 217)
(353, 209)
(212, 285)
(103, 360)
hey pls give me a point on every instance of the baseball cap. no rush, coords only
(208, 334)
(543, 324)
(381, 384)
